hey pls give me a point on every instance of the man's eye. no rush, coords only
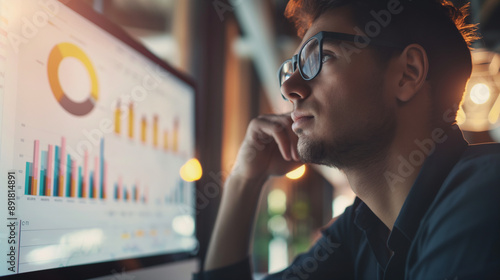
(326, 57)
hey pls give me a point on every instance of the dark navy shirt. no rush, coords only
(447, 229)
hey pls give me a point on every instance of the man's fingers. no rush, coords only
(277, 128)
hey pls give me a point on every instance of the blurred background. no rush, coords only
(233, 49)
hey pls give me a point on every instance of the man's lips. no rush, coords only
(296, 116)
(300, 120)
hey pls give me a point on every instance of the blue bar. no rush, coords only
(91, 185)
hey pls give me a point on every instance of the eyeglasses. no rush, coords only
(309, 58)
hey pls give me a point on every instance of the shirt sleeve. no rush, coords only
(329, 258)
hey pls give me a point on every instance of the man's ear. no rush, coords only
(413, 69)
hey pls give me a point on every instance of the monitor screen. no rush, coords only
(94, 131)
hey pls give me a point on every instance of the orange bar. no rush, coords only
(131, 121)
(117, 118)
(143, 129)
(155, 130)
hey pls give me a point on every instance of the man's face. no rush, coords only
(344, 116)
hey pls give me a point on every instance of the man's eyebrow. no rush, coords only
(332, 42)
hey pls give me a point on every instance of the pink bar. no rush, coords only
(36, 159)
(50, 171)
(85, 173)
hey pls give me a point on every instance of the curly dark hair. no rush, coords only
(437, 25)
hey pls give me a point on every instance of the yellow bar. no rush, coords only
(155, 130)
(143, 129)
(117, 118)
(131, 121)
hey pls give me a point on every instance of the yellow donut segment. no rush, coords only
(56, 56)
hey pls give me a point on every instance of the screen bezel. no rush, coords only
(122, 265)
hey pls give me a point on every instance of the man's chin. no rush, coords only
(312, 151)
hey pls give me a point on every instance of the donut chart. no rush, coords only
(56, 56)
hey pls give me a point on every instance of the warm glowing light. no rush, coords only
(191, 170)
(494, 112)
(297, 173)
(276, 202)
(340, 203)
(480, 93)
(183, 225)
(461, 116)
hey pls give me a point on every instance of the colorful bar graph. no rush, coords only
(53, 172)
(161, 137)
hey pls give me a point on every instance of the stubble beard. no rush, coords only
(360, 147)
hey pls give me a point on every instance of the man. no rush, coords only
(375, 88)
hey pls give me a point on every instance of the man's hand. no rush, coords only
(269, 148)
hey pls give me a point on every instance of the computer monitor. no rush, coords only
(94, 130)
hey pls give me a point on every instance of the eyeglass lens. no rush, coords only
(286, 71)
(309, 59)
(309, 62)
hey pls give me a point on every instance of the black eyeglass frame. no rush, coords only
(330, 35)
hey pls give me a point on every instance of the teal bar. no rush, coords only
(42, 182)
(80, 182)
(27, 178)
(91, 185)
(57, 162)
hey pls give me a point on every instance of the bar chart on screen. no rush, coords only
(97, 135)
